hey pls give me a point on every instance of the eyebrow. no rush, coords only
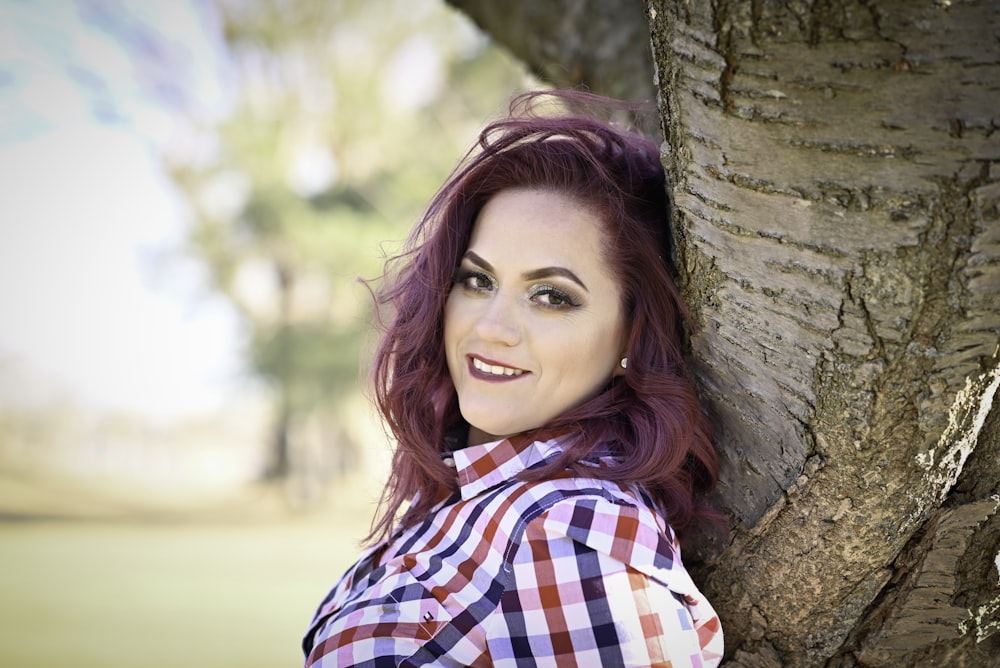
(533, 275)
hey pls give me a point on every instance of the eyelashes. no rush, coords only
(543, 294)
(476, 281)
(552, 296)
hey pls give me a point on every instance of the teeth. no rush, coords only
(494, 370)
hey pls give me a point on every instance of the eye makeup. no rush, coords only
(552, 297)
(476, 281)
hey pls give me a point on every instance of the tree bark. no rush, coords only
(836, 176)
(602, 45)
(835, 169)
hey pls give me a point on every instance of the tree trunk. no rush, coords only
(279, 463)
(836, 178)
(600, 44)
(837, 184)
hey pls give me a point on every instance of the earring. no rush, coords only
(624, 363)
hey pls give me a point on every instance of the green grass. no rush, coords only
(232, 585)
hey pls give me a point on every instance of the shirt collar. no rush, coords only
(481, 467)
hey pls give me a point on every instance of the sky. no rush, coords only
(98, 302)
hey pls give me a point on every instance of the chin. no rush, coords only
(493, 431)
(490, 427)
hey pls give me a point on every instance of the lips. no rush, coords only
(492, 370)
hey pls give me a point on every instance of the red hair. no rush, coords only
(650, 416)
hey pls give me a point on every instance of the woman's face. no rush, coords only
(533, 325)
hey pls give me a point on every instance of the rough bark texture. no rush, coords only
(600, 44)
(836, 175)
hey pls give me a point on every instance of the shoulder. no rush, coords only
(596, 570)
(574, 517)
(589, 502)
(612, 521)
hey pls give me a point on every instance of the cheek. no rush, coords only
(451, 328)
(591, 358)
(606, 350)
(606, 333)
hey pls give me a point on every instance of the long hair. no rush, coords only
(650, 416)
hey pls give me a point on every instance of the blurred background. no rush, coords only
(189, 191)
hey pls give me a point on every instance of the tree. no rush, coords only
(344, 120)
(835, 170)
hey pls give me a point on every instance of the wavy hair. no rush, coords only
(650, 416)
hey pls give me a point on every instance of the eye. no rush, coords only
(473, 281)
(552, 297)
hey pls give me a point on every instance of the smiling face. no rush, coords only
(533, 325)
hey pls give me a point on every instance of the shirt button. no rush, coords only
(449, 462)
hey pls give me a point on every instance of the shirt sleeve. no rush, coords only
(596, 582)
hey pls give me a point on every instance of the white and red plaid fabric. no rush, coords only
(565, 572)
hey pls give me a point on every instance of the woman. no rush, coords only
(549, 442)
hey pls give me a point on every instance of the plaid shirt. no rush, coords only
(564, 572)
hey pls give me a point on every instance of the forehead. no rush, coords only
(520, 231)
(542, 221)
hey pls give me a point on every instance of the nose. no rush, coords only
(499, 322)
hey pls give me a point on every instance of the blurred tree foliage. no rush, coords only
(347, 116)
